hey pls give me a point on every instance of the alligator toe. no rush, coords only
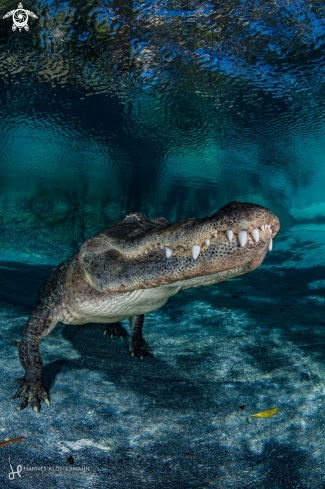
(31, 392)
(140, 348)
(115, 329)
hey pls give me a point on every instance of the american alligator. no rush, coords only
(132, 268)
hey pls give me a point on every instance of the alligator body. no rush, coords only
(132, 268)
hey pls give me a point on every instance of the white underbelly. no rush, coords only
(116, 307)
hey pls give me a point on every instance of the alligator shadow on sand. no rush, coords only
(153, 378)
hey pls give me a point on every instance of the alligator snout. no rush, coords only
(240, 222)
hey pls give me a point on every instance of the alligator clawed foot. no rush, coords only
(115, 329)
(140, 348)
(32, 392)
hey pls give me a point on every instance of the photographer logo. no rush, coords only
(20, 18)
(12, 473)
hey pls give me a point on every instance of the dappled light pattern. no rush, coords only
(275, 46)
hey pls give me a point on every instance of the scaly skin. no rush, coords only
(132, 268)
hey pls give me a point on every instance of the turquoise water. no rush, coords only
(170, 109)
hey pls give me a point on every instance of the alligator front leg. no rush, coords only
(40, 323)
(138, 345)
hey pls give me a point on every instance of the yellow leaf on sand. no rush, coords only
(265, 414)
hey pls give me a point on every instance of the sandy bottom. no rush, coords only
(175, 420)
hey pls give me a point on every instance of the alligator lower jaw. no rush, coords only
(213, 278)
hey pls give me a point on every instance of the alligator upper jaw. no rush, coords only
(242, 222)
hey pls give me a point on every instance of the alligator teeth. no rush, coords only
(242, 235)
(215, 235)
(230, 234)
(256, 235)
(262, 227)
(169, 252)
(161, 247)
(196, 251)
(156, 246)
(181, 248)
(207, 241)
(271, 231)
(151, 247)
(146, 252)
(271, 245)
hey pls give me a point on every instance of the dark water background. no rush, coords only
(170, 109)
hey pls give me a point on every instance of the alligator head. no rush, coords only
(137, 253)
